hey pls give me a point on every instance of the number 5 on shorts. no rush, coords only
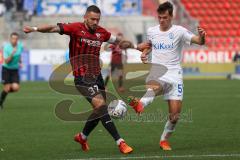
(180, 88)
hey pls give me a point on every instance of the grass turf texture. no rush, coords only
(29, 128)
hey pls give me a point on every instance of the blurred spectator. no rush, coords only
(236, 57)
(19, 4)
(9, 5)
(116, 65)
(2, 8)
(29, 7)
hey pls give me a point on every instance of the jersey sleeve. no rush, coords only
(187, 36)
(107, 36)
(67, 28)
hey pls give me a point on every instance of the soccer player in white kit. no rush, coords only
(165, 77)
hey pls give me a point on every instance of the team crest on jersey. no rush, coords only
(98, 35)
(171, 35)
(83, 32)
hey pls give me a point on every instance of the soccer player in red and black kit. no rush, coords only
(116, 63)
(85, 41)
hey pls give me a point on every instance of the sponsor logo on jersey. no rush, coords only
(171, 35)
(163, 46)
(98, 35)
(91, 42)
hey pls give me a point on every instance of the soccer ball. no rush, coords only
(117, 109)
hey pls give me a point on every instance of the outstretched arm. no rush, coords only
(200, 38)
(42, 28)
(123, 44)
(128, 44)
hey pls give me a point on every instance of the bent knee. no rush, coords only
(98, 101)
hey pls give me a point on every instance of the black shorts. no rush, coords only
(89, 87)
(116, 66)
(10, 76)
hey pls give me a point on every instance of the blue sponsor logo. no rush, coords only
(159, 46)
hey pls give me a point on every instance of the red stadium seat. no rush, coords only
(211, 26)
(236, 19)
(225, 33)
(229, 19)
(204, 5)
(188, 6)
(227, 26)
(235, 25)
(218, 33)
(232, 32)
(229, 40)
(210, 33)
(219, 46)
(184, 1)
(236, 41)
(235, 5)
(226, 5)
(197, 5)
(238, 32)
(204, 25)
(235, 46)
(220, 19)
(218, 41)
(237, 12)
(231, 12)
(222, 12)
(194, 13)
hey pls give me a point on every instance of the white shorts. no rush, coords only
(171, 81)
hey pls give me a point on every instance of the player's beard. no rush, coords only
(92, 28)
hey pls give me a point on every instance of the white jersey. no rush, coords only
(167, 46)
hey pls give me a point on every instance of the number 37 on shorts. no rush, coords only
(93, 90)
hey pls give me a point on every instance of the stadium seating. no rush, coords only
(221, 20)
(149, 6)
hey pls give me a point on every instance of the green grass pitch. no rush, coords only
(209, 128)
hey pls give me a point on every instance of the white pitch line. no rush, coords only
(157, 157)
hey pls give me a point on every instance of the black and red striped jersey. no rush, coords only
(84, 47)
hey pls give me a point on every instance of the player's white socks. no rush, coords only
(148, 97)
(168, 129)
(119, 141)
(83, 136)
